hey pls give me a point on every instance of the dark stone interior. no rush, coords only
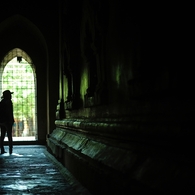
(114, 90)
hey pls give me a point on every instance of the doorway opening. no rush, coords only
(17, 74)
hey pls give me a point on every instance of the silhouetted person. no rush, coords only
(7, 120)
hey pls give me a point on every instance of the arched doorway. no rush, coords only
(17, 74)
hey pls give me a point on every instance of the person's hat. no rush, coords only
(7, 92)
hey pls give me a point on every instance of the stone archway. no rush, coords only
(19, 32)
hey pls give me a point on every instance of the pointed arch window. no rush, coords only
(18, 75)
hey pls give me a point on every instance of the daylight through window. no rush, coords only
(18, 77)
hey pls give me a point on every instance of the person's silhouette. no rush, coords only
(7, 121)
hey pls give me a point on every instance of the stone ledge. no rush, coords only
(100, 152)
(139, 164)
(122, 129)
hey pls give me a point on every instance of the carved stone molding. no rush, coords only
(60, 112)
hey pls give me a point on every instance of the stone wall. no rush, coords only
(105, 162)
(125, 109)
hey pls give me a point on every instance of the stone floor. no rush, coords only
(32, 170)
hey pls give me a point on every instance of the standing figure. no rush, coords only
(7, 120)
